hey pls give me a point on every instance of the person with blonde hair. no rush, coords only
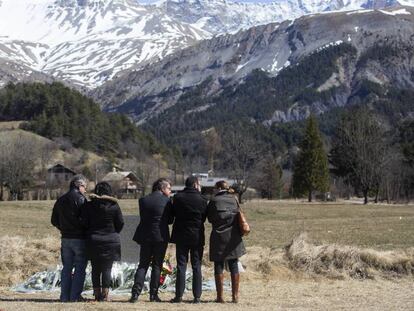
(226, 244)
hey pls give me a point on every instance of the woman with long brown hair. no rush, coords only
(226, 244)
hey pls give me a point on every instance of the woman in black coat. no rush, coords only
(226, 242)
(103, 220)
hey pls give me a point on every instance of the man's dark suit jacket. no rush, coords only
(154, 212)
(189, 209)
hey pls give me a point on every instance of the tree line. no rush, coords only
(71, 120)
(56, 111)
(365, 155)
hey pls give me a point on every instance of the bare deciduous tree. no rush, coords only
(245, 151)
(146, 168)
(18, 159)
(212, 146)
(267, 177)
(360, 151)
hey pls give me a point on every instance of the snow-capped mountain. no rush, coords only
(89, 42)
(221, 16)
(226, 60)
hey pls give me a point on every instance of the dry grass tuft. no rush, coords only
(265, 263)
(22, 257)
(341, 262)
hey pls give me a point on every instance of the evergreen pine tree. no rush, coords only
(311, 166)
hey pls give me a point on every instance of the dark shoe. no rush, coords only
(105, 294)
(82, 299)
(219, 287)
(155, 298)
(97, 293)
(235, 282)
(134, 298)
(176, 300)
(196, 300)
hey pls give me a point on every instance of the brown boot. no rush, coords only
(219, 287)
(235, 279)
(97, 293)
(105, 294)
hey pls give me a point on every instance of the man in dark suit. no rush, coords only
(153, 235)
(189, 209)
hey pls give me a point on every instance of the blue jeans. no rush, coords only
(73, 252)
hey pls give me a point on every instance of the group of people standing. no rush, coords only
(90, 230)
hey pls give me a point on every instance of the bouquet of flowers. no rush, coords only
(166, 270)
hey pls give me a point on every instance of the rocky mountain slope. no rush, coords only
(89, 42)
(382, 40)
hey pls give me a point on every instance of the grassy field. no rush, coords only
(385, 227)
(273, 223)
(268, 282)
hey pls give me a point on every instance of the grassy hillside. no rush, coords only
(55, 111)
(9, 132)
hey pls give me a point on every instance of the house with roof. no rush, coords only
(59, 175)
(124, 183)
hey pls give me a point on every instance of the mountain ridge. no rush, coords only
(87, 43)
(228, 59)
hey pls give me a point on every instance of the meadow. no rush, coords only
(344, 255)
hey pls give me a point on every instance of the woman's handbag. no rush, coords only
(244, 226)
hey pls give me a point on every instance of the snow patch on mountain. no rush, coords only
(90, 42)
(396, 12)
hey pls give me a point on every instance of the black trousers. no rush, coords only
(196, 255)
(151, 253)
(101, 273)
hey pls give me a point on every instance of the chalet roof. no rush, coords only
(59, 168)
(118, 176)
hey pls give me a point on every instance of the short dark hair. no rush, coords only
(103, 188)
(191, 181)
(160, 184)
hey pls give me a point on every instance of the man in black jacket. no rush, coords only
(66, 217)
(153, 235)
(189, 209)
